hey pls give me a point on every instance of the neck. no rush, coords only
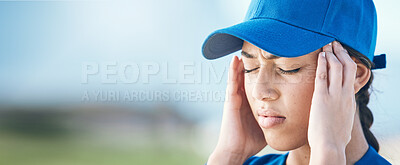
(355, 150)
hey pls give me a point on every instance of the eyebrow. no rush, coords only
(248, 55)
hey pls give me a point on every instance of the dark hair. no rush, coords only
(362, 99)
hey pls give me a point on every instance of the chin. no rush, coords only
(285, 143)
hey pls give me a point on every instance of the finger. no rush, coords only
(232, 76)
(232, 84)
(241, 79)
(321, 78)
(328, 48)
(241, 74)
(349, 66)
(334, 73)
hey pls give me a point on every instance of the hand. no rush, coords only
(240, 136)
(333, 104)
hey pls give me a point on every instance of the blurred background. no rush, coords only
(124, 82)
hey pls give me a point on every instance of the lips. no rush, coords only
(270, 113)
(270, 118)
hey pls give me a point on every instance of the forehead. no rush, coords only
(255, 51)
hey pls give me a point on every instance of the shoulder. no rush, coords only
(372, 157)
(269, 159)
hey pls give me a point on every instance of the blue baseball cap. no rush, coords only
(293, 28)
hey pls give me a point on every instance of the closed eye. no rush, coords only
(288, 71)
(280, 70)
(248, 71)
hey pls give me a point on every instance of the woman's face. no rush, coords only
(282, 85)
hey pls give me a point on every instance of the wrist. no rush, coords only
(221, 157)
(328, 154)
(327, 143)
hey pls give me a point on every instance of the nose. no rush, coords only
(264, 89)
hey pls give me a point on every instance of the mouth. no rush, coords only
(269, 119)
(268, 122)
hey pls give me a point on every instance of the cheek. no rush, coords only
(248, 87)
(298, 100)
(300, 94)
(299, 91)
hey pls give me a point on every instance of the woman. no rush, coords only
(301, 84)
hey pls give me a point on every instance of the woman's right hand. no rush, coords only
(240, 136)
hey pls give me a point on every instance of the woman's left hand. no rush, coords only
(333, 104)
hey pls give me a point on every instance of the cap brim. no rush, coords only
(278, 38)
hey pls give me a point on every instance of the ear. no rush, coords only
(362, 76)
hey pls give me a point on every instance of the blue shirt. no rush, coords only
(370, 157)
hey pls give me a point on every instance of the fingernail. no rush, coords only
(323, 54)
(330, 44)
(233, 59)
